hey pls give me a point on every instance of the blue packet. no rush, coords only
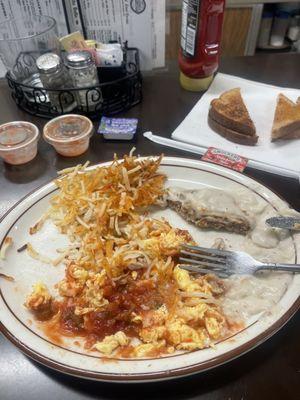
(118, 128)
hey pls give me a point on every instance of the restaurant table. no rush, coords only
(270, 371)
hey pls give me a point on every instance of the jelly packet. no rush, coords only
(226, 159)
(109, 55)
(118, 128)
(73, 41)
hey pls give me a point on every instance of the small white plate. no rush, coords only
(16, 322)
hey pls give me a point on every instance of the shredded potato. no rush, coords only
(36, 255)
(36, 227)
(122, 280)
(7, 277)
(5, 246)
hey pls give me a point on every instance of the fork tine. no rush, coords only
(217, 252)
(202, 263)
(203, 256)
(197, 270)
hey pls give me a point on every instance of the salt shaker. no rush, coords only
(53, 75)
(83, 72)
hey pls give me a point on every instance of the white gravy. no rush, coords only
(246, 296)
(206, 200)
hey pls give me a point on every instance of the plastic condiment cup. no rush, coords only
(18, 142)
(69, 134)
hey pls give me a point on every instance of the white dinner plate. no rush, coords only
(17, 324)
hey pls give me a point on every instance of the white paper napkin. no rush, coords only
(260, 100)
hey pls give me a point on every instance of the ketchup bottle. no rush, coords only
(201, 29)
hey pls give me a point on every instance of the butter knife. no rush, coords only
(284, 223)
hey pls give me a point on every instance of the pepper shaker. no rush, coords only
(83, 72)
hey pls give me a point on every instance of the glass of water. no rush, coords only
(23, 40)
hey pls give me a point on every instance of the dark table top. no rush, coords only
(271, 371)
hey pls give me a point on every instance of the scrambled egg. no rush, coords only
(213, 327)
(184, 281)
(150, 335)
(165, 243)
(88, 285)
(149, 349)
(194, 314)
(39, 299)
(187, 284)
(157, 317)
(185, 337)
(121, 270)
(193, 324)
(111, 343)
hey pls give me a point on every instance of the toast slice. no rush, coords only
(286, 124)
(233, 136)
(230, 111)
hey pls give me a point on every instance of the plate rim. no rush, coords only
(176, 372)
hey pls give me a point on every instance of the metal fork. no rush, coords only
(224, 263)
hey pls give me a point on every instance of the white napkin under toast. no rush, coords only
(260, 100)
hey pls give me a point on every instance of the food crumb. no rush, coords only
(22, 248)
(7, 277)
(7, 242)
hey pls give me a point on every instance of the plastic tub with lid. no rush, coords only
(69, 134)
(18, 142)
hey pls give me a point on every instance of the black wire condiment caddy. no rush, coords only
(120, 88)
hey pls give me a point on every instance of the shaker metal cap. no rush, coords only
(48, 63)
(79, 59)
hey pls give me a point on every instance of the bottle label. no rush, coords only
(189, 25)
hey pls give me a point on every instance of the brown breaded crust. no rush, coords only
(224, 223)
(230, 134)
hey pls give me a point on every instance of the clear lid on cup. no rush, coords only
(17, 134)
(67, 128)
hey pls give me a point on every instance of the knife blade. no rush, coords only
(284, 222)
